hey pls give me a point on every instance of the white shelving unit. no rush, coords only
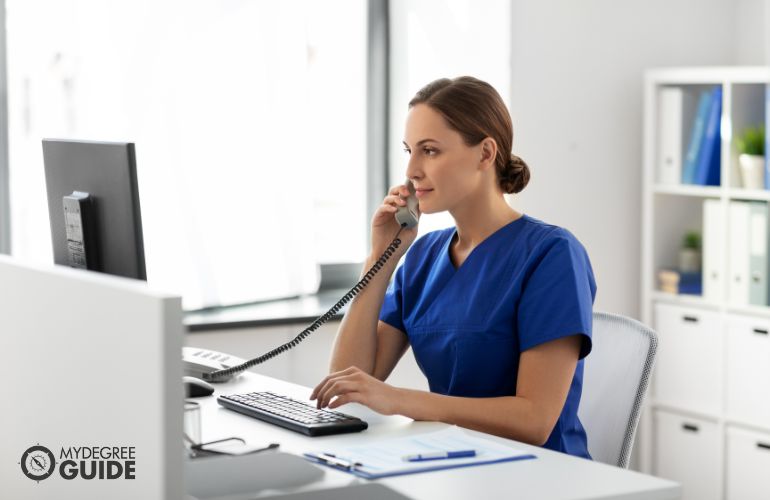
(707, 423)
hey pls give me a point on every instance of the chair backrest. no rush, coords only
(615, 379)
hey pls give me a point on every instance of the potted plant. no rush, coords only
(689, 255)
(751, 148)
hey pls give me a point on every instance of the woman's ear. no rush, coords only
(488, 153)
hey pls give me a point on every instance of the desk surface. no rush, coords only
(552, 475)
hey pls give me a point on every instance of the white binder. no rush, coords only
(675, 110)
(713, 250)
(738, 285)
(758, 243)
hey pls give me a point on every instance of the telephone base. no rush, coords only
(204, 375)
(200, 363)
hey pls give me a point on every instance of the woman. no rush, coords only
(497, 309)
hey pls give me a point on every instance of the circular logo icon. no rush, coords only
(37, 463)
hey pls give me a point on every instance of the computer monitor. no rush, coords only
(93, 204)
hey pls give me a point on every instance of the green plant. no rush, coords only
(691, 240)
(751, 141)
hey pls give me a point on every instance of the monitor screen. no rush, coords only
(93, 205)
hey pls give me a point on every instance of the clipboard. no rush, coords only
(385, 458)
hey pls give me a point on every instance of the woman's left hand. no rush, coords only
(353, 385)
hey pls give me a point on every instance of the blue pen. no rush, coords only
(440, 455)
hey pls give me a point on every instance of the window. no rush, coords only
(249, 120)
(433, 39)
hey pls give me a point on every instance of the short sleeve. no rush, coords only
(557, 299)
(393, 305)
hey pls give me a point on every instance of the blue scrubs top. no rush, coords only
(526, 284)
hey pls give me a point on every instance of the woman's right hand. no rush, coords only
(385, 226)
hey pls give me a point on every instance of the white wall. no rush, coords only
(577, 109)
(752, 40)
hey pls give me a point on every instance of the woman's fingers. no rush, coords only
(390, 205)
(322, 389)
(394, 200)
(331, 389)
(338, 388)
(384, 215)
(400, 190)
(350, 397)
(329, 378)
(318, 387)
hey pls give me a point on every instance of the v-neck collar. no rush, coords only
(453, 233)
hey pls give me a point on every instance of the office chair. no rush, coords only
(615, 379)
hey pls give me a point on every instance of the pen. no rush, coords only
(439, 455)
(328, 458)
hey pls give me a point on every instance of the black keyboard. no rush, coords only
(294, 415)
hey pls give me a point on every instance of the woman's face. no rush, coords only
(443, 169)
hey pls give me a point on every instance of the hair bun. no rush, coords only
(515, 176)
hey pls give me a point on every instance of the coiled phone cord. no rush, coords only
(229, 372)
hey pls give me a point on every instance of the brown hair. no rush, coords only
(475, 110)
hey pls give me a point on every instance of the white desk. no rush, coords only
(551, 476)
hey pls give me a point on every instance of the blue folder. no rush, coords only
(709, 155)
(696, 136)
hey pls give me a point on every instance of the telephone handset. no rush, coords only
(408, 215)
(210, 366)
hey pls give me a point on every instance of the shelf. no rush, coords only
(712, 192)
(709, 75)
(750, 310)
(698, 301)
(748, 194)
(684, 300)
(688, 190)
(734, 422)
(686, 411)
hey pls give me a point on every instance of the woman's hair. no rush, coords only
(475, 110)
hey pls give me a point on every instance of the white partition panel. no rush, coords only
(92, 376)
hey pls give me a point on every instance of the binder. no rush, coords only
(675, 109)
(696, 136)
(758, 246)
(385, 458)
(713, 250)
(738, 287)
(709, 153)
